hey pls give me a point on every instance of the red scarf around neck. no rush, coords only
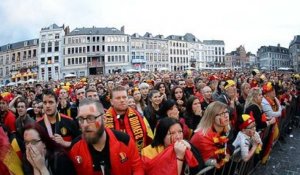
(134, 125)
(272, 102)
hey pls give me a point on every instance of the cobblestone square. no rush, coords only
(285, 157)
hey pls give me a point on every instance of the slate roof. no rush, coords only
(53, 26)
(96, 31)
(18, 45)
(276, 49)
(213, 42)
(296, 40)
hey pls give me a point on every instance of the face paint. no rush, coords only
(97, 123)
(221, 121)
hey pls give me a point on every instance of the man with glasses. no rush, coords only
(60, 127)
(102, 150)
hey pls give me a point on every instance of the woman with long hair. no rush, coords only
(169, 109)
(139, 101)
(168, 152)
(254, 108)
(177, 94)
(151, 112)
(211, 135)
(245, 88)
(193, 112)
(163, 89)
(43, 155)
(37, 106)
(219, 90)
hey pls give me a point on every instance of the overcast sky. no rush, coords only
(251, 23)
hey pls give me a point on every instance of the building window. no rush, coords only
(24, 55)
(57, 36)
(42, 60)
(69, 61)
(43, 47)
(56, 69)
(13, 58)
(55, 59)
(7, 59)
(49, 60)
(6, 71)
(18, 56)
(56, 48)
(49, 47)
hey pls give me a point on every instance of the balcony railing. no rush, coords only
(136, 61)
(95, 64)
(193, 60)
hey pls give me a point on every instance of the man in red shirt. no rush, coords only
(6, 116)
(101, 150)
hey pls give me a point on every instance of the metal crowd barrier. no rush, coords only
(236, 166)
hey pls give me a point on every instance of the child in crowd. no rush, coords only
(248, 139)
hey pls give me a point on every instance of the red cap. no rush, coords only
(6, 96)
(268, 87)
(213, 77)
(247, 120)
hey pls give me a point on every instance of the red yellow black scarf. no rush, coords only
(134, 125)
(273, 103)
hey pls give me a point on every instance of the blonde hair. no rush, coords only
(253, 94)
(209, 116)
(243, 87)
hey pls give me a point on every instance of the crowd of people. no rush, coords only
(143, 123)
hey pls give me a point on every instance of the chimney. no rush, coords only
(123, 29)
(67, 30)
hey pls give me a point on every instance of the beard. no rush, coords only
(94, 139)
